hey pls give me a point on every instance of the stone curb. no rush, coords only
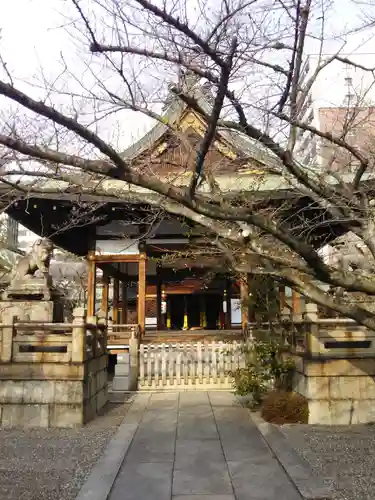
(100, 481)
(309, 485)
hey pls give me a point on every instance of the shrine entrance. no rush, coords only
(195, 311)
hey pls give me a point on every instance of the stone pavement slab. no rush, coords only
(197, 446)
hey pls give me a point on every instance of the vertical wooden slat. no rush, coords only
(142, 364)
(200, 363)
(149, 365)
(91, 285)
(163, 366)
(192, 364)
(214, 361)
(124, 303)
(221, 362)
(157, 353)
(115, 300)
(142, 293)
(171, 356)
(105, 294)
(185, 361)
(206, 362)
(178, 365)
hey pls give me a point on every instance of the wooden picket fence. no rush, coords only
(186, 366)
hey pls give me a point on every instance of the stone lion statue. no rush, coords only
(37, 261)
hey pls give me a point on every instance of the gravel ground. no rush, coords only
(46, 464)
(344, 456)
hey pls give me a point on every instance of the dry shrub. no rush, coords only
(280, 407)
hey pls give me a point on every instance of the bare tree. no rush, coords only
(251, 55)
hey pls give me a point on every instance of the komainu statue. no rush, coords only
(35, 263)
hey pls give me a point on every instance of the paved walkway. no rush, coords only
(197, 446)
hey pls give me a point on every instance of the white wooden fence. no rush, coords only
(188, 366)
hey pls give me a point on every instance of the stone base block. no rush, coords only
(121, 383)
(70, 415)
(27, 310)
(341, 412)
(122, 369)
(340, 392)
(24, 415)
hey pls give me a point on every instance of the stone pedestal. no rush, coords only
(32, 299)
(30, 287)
(121, 380)
(126, 369)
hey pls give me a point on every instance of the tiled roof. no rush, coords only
(242, 144)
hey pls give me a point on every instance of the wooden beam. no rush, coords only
(115, 300)
(105, 294)
(142, 293)
(124, 304)
(115, 258)
(111, 271)
(91, 288)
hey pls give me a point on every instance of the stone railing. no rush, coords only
(120, 334)
(335, 367)
(52, 374)
(308, 334)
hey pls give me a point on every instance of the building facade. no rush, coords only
(341, 101)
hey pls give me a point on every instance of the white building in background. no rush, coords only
(14, 234)
(340, 90)
(26, 238)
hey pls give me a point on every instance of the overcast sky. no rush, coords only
(33, 36)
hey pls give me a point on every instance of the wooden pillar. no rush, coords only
(244, 295)
(91, 285)
(116, 290)
(228, 296)
(203, 315)
(142, 293)
(186, 320)
(105, 294)
(159, 314)
(124, 303)
(169, 319)
(296, 302)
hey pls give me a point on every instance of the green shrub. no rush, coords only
(281, 407)
(265, 369)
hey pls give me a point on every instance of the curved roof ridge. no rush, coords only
(190, 84)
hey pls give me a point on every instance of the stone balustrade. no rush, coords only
(335, 366)
(52, 374)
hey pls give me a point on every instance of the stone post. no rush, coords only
(312, 329)
(79, 335)
(134, 361)
(126, 369)
(102, 331)
(91, 333)
(6, 345)
(285, 314)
